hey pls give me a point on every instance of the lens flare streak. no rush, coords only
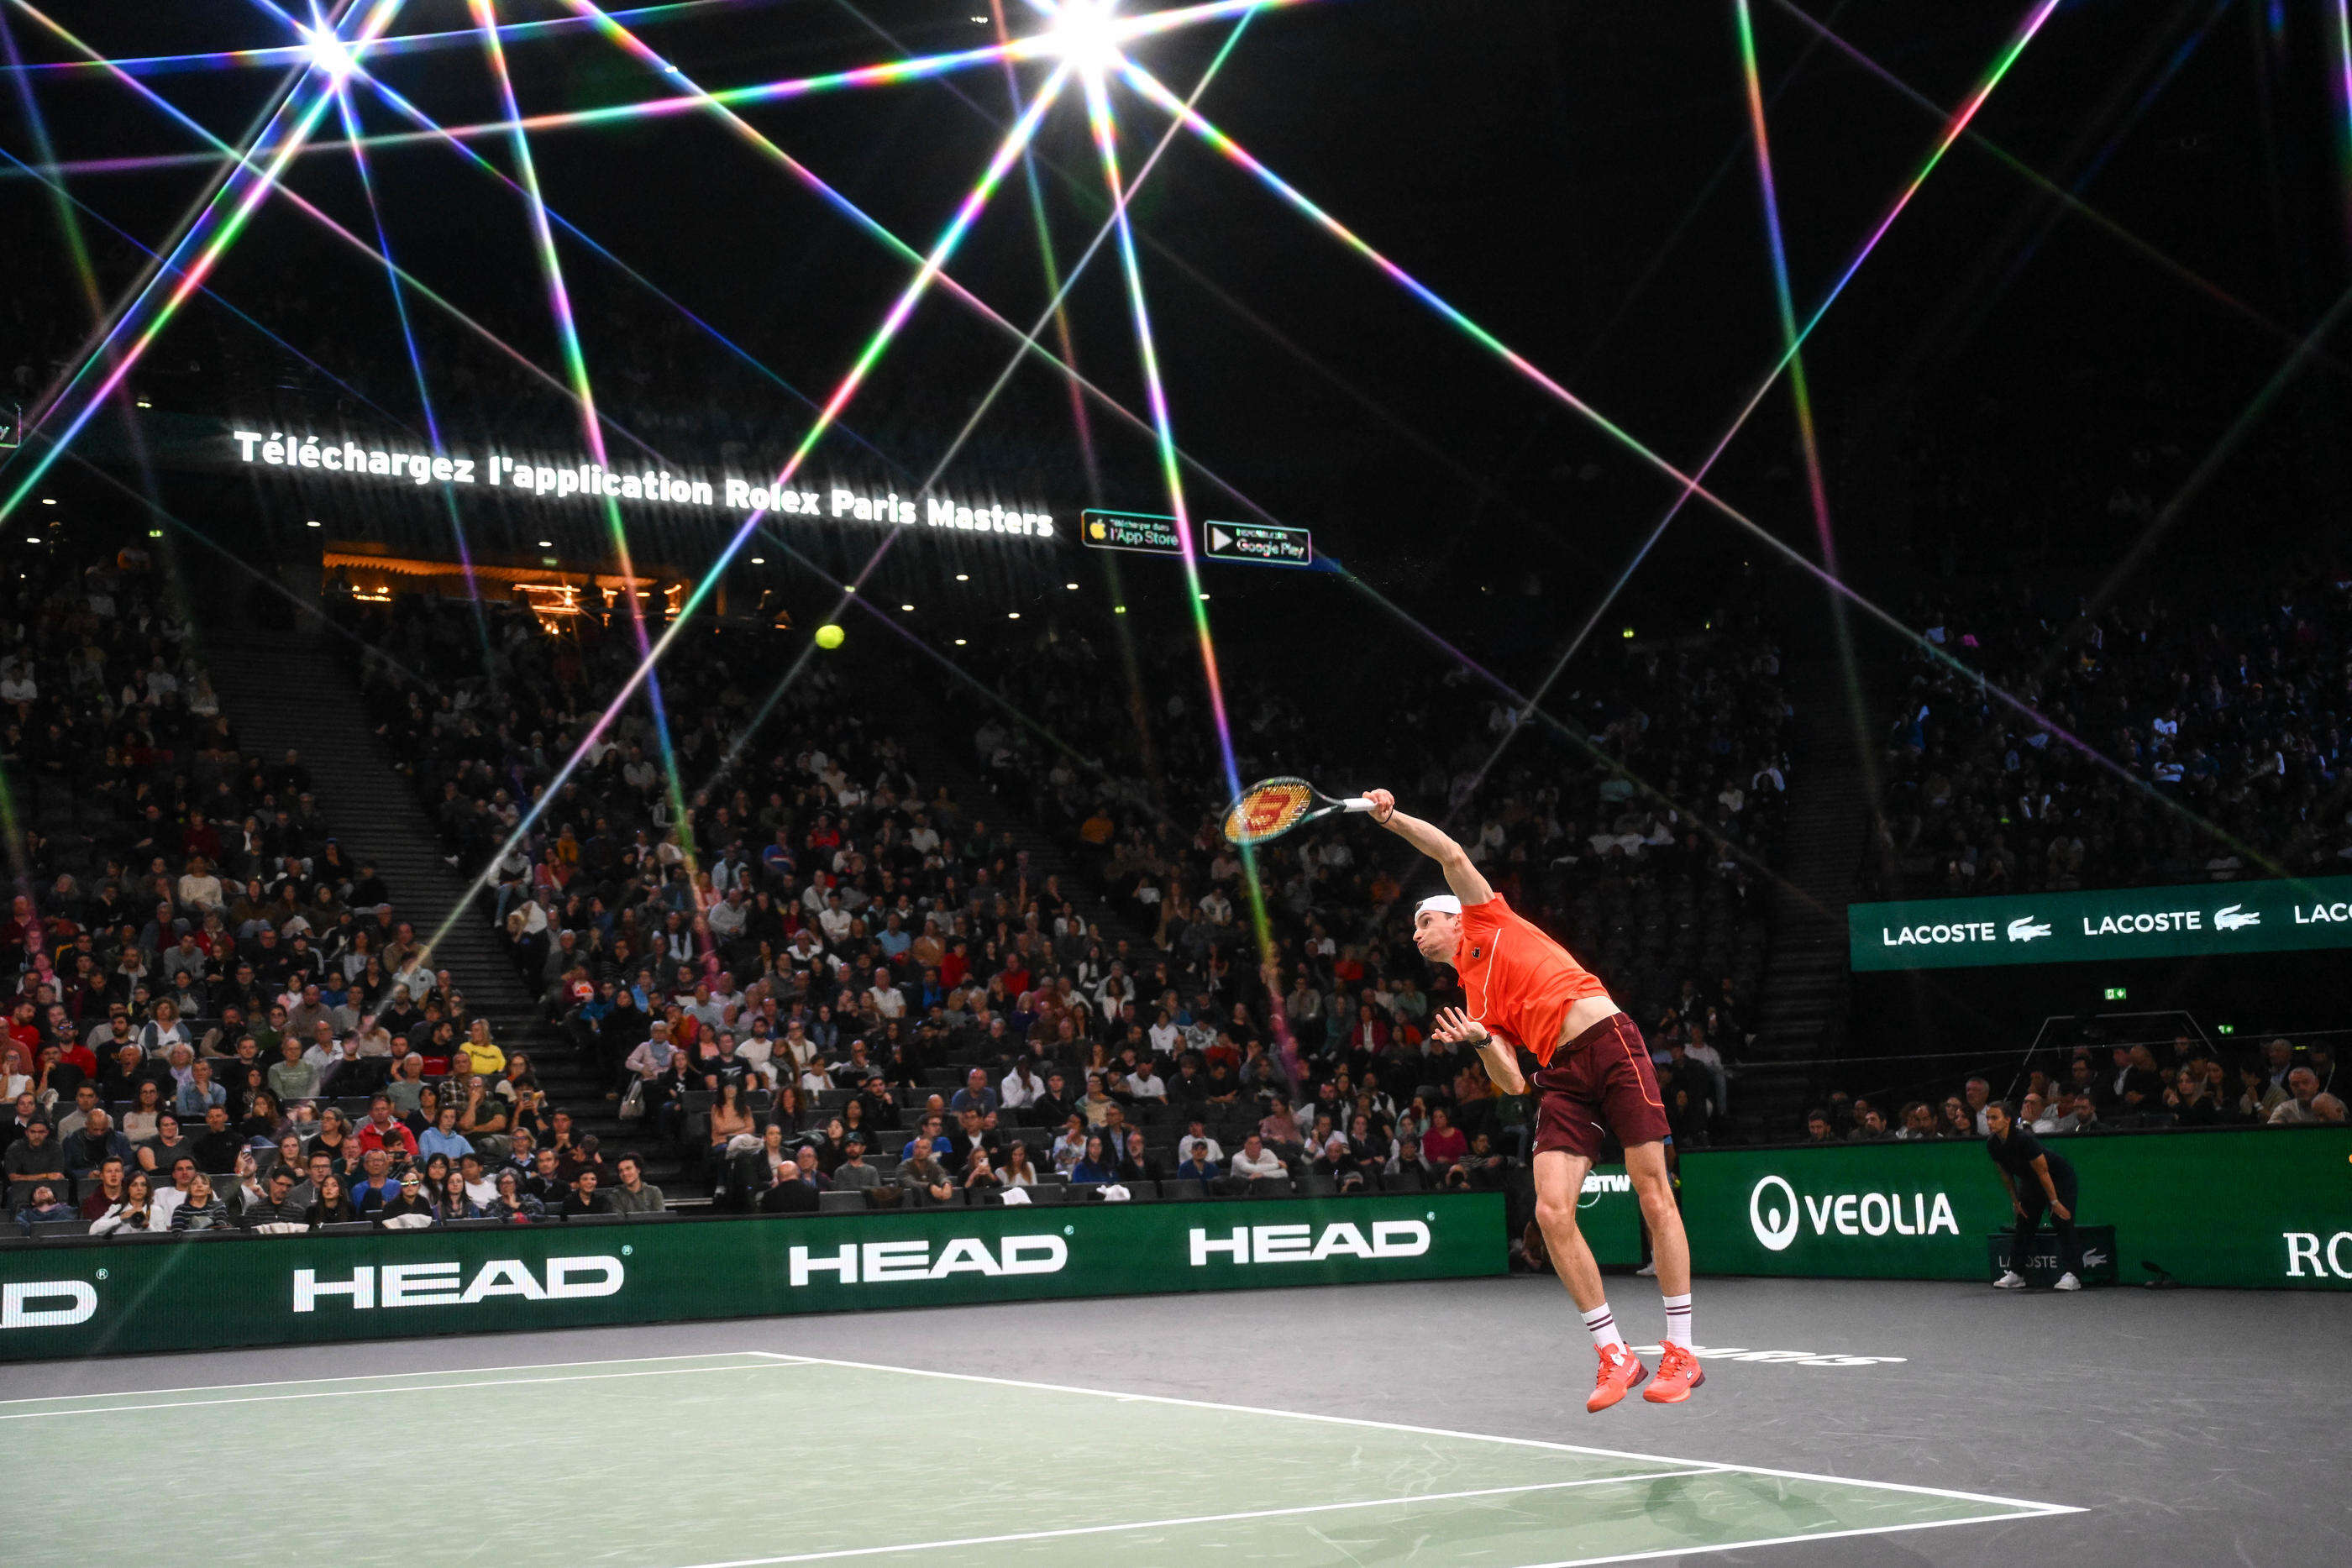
(350, 118)
(277, 55)
(1694, 482)
(211, 238)
(575, 364)
(967, 212)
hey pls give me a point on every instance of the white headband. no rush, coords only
(1444, 902)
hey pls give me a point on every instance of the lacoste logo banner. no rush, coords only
(2082, 927)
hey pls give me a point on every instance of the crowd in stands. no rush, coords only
(2141, 1087)
(806, 959)
(207, 997)
(2225, 720)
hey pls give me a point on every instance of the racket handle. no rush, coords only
(1356, 803)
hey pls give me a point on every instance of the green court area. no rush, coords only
(744, 1459)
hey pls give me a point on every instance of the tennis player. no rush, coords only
(1593, 1078)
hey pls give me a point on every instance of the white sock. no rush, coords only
(1678, 1320)
(1602, 1322)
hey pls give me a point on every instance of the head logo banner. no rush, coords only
(97, 1297)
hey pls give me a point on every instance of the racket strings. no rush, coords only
(1268, 810)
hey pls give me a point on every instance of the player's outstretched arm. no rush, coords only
(1461, 874)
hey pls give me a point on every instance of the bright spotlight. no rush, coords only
(328, 53)
(1082, 31)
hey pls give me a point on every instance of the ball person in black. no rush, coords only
(2035, 1178)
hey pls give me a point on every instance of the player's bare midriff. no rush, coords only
(1582, 1014)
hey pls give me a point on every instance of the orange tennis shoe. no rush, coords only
(1678, 1374)
(1621, 1370)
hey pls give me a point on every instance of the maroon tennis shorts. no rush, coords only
(1598, 1084)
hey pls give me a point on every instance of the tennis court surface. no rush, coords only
(739, 1459)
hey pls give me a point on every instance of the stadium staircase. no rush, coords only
(293, 690)
(1801, 1014)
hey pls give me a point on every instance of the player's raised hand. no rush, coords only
(1452, 1026)
(1383, 805)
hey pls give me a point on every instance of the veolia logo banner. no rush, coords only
(2262, 1207)
(2079, 927)
(66, 1299)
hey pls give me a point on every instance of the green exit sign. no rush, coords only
(2117, 994)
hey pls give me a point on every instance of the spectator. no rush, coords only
(1070, 1143)
(201, 1210)
(453, 1202)
(975, 1095)
(513, 1205)
(411, 1208)
(584, 1197)
(107, 1192)
(1443, 1147)
(94, 1144)
(131, 1211)
(170, 1195)
(2298, 1108)
(380, 1130)
(1256, 1162)
(442, 1137)
(1482, 1168)
(275, 1212)
(793, 1192)
(634, 1194)
(929, 1139)
(1200, 1164)
(854, 1174)
(42, 1208)
(1094, 1165)
(924, 1178)
(376, 1186)
(330, 1202)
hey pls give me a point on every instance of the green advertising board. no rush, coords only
(77, 1298)
(2263, 1206)
(1610, 1217)
(2198, 919)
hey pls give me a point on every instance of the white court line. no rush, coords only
(2022, 1504)
(373, 1376)
(1194, 1518)
(2051, 1512)
(364, 1393)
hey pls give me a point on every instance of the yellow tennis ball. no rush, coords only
(829, 636)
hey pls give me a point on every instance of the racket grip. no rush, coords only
(1356, 803)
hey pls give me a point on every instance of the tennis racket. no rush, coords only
(1267, 809)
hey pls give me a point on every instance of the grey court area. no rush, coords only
(1857, 1425)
